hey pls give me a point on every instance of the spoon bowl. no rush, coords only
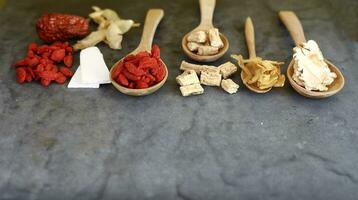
(152, 20)
(334, 88)
(253, 87)
(207, 10)
(139, 92)
(200, 58)
(294, 26)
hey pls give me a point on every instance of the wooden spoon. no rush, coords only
(152, 20)
(294, 26)
(250, 41)
(207, 10)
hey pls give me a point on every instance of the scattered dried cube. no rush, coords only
(198, 68)
(198, 37)
(227, 69)
(229, 86)
(188, 78)
(193, 46)
(210, 78)
(207, 50)
(214, 38)
(194, 89)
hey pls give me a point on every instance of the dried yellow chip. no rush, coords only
(264, 74)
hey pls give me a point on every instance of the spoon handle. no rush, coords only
(294, 26)
(154, 16)
(207, 8)
(250, 37)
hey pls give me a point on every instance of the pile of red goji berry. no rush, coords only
(40, 64)
(140, 71)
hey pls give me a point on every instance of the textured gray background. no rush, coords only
(57, 143)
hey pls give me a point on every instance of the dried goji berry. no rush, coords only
(21, 63)
(20, 75)
(131, 85)
(54, 68)
(148, 62)
(141, 85)
(32, 47)
(49, 67)
(58, 55)
(42, 49)
(49, 75)
(66, 72)
(67, 60)
(129, 58)
(130, 76)
(69, 49)
(122, 80)
(142, 54)
(133, 69)
(32, 62)
(28, 78)
(60, 78)
(155, 51)
(117, 70)
(161, 73)
(40, 68)
(45, 82)
(31, 72)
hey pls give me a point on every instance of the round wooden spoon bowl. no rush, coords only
(200, 58)
(334, 88)
(138, 92)
(253, 88)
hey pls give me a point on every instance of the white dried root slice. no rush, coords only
(227, 69)
(229, 86)
(91, 40)
(193, 46)
(210, 78)
(113, 37)
(194, 89)
(188, 78)
(207, 50)
(113, 26)
(198, 37)
(262, 73)
(198, 68)
(214, 38)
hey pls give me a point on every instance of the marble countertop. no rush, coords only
(58, 143)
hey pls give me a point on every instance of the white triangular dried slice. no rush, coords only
(94, 69)
(76, 81)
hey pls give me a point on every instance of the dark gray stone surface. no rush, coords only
(57, 143)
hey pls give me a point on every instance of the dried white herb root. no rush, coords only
(189, 83)
(229, 86)
(209, 75)
(110, 29)
(205, 43)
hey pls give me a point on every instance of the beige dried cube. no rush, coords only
(198, 68)
(194, 89)
(214, 38)
(207, 50)
(227, 69)
(193, 46)
(210, 78)
(198, 37)
(229, 86)
(188, 78)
